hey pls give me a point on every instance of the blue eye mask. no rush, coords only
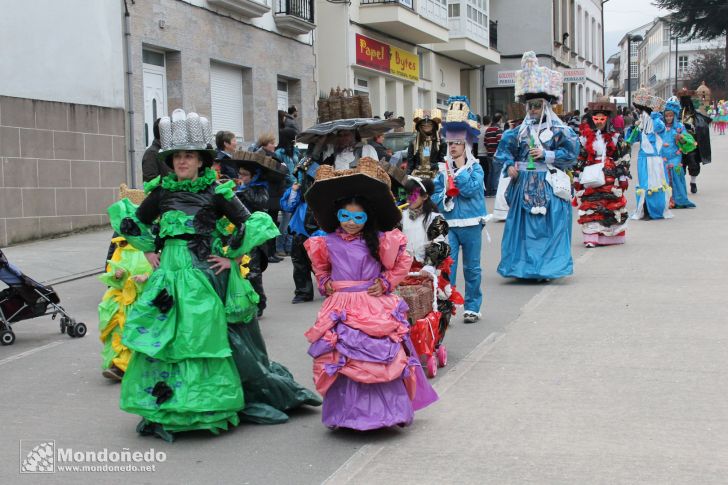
(357, 217)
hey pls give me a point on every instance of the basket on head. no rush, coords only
(134, 195)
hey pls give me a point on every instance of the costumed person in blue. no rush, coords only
(302, 226)
(460, 196)
(676, 142)
(653, 192)
(536, 241)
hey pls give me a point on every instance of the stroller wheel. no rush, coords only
(431, 366)
(442, 356)
(7, 337)
(79, 330)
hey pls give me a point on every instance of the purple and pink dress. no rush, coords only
(364, 363)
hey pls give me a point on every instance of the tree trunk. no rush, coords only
(726, 61)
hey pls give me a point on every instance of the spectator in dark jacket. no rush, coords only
(491, 138)
(152, 167)
(378, 143)
(226, 146)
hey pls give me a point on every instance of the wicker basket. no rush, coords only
(134, 195)
(419, 299)
(324, 113)
(365, 106)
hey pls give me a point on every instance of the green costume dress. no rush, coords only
(197, 344)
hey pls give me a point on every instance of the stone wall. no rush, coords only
(194, 37)
(60, 166)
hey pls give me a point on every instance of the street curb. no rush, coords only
(74, 277)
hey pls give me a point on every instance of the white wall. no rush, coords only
(68, 51)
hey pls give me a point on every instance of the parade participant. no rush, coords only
(126, 273)
(196, 341)
(346, 150)
(601, 177)
(364, 362)
(460, 196)
(426, 150)
(698, 126)
(516, 114)
(721, 112)
(676, 142)
(652, 190)
(255, 171)
(536, 241)
(302, 226)
(427, 243)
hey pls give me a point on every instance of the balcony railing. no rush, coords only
(404, 3)
(302, 9)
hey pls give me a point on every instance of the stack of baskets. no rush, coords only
(344, 104)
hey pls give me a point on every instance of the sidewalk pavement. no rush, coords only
(62, 258)
(615, 375)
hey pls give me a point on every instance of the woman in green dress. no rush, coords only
(199, 360)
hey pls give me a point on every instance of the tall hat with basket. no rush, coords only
(535, 81)
(460, 122)
(642, 98)
(368, 180)
(185, 132)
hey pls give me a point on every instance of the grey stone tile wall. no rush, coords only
(60, 167)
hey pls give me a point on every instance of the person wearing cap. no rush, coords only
(460, 196)
(536, 243)
(677, 142)
(652, 190)
(601, 178)
(365, 365)
(194, 333)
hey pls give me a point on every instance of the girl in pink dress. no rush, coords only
(364, 363)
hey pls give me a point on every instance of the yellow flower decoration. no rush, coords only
(244, 270)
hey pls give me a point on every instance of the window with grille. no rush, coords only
(453, 10)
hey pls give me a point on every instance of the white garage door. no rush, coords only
(226, 91)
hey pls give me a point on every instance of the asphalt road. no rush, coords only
(52, 388)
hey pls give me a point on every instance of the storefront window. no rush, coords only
(498, 99)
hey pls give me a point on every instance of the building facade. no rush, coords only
(62, 129)
(613, 84)
(235, 61)
(629, 70)
(567, 35)
(664, 60)
(405, 54)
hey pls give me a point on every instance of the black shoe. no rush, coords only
(301, 299)
(113, 373)
(274, 259)
(693, 188)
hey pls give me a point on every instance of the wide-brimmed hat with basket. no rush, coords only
(368, 180)
(270, 169)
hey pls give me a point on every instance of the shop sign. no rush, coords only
(403, 63)
(506, 78)
(386, 58)
(577, 75)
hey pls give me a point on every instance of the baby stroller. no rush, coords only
(24, 299)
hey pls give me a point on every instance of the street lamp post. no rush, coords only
(677, 59)
(630, 38)
(604, 68)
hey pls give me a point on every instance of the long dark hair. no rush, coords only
(428, 206)
(370, 232)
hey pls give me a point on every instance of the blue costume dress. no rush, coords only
(674, 171)
(536, 241)
(653, 192)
